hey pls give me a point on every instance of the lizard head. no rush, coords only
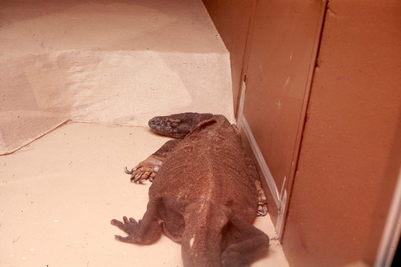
(177, 125)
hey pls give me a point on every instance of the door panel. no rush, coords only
(281, 59)
(351, 147)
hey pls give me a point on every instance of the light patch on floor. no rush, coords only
(114, 61)
(58, 195)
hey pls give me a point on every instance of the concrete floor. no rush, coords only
(58, 194)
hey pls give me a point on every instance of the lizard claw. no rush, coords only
(262, 209)
(129, 226)
(145, 170)
(128, 171)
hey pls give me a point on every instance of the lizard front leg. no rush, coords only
(262, 209)
(145, 170)
(148, 169)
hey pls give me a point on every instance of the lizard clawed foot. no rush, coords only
(262, 200)
(262, 209)
(140, 174)
(129, 226)
(146, 170)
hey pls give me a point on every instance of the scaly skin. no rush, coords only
(205, 193)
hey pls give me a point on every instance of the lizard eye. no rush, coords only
(174, 122)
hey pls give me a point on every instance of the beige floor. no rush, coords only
(58, 194)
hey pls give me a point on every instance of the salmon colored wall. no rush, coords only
(351, 146)
(232, 19)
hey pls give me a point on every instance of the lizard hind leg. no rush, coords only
(145, 231)
(129, 226)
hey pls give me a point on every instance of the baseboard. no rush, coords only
(243, 124)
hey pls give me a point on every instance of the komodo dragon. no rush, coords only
(205, 193)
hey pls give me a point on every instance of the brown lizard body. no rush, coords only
(205, 193)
